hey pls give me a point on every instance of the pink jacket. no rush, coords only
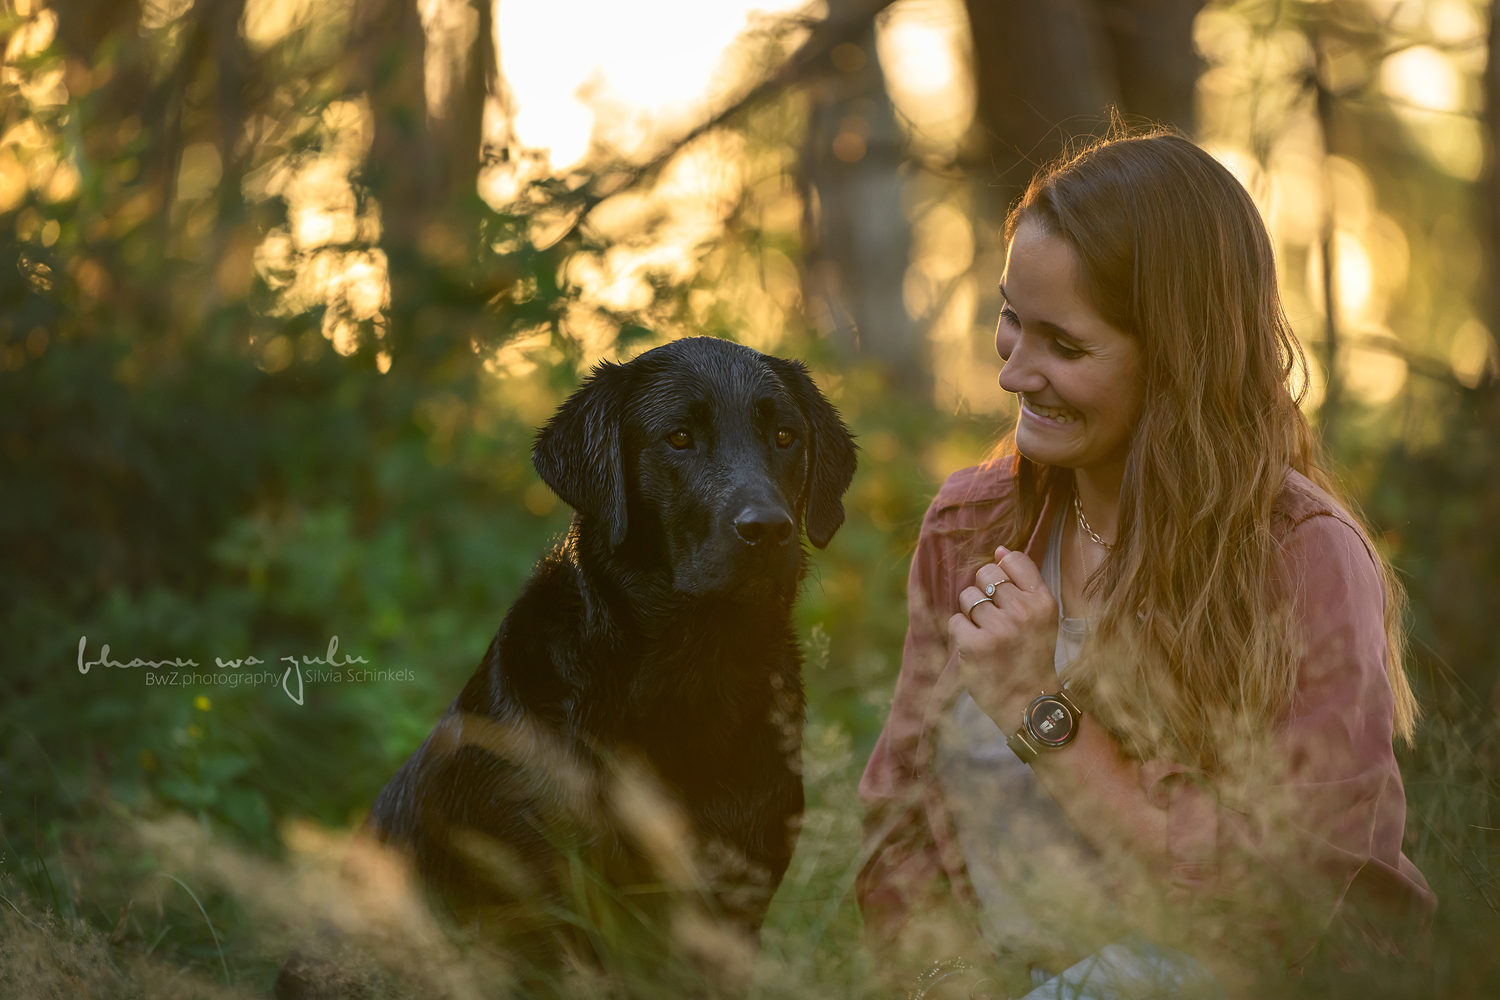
(1337, 733)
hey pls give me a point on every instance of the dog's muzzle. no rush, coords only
(768, 554)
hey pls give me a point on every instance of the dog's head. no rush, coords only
(706, 456)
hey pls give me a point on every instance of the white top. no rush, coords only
(1029, 866)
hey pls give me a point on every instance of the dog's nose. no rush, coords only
(763, 526)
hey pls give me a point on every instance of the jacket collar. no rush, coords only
(1054, 503)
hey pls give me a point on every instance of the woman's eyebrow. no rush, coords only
(1050, 327)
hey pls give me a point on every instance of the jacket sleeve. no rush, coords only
(1326, 825)
(904, 871)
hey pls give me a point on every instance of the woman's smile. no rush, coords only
(1078, 378)
(1059, 416)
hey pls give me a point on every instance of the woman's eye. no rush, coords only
(784, 438)
(680, 440)
(1064, 351)
(1008, 315)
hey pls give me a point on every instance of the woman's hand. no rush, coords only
(1006, 645)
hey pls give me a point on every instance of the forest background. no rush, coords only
(288, 284)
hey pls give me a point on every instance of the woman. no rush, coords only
(1159, 535)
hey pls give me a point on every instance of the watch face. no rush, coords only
(1049, 722)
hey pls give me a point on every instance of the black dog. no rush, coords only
(658, 631)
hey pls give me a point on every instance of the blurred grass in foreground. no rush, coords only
(119, 921)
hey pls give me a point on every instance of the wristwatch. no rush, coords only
(1050, 723)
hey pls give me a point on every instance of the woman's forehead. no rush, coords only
(1041, 283)
(1041, 274)
(1040, 261)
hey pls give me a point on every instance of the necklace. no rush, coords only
(1083, 522)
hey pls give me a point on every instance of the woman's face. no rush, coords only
(1079, 379)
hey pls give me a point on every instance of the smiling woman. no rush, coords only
(1077, 376)
(1153, 671)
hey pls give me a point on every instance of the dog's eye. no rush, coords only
(680, 440)
(784, 438)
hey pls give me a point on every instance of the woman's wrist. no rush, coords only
(1006, 704)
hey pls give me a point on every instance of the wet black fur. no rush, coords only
(654, 631)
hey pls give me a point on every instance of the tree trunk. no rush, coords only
(1048, 71)
(1333, 383)
(1156, 65)
(858, 239)
(1489, 194)
(1043, 77)
(422, 167)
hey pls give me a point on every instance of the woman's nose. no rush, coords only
(1018, 375)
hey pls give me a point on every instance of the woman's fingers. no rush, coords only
(962, 631)
(1007, 640)
(1019, 569)
(989, 578)
(1009, 567)
(980, 626)
(1005, 631)
(969, 639)
(975, 605)
(1024, 598)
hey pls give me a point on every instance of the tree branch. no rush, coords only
(826, 36)
(1422, 364)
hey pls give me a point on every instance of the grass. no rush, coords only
(94, 916)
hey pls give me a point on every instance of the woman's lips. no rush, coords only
(1054, 416)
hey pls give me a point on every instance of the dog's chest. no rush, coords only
(723, 739)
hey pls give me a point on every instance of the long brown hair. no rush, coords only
(1171, 249)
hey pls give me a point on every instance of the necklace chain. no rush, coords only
(1083, 522)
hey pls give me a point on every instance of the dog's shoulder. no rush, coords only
(536, 647)
(551, 605)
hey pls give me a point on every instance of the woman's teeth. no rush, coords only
(1061, 414)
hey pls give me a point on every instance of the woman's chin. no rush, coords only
(1043, 446)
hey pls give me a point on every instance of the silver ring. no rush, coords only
(969, 612)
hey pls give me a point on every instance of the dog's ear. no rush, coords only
(578, 453)
(830, 462)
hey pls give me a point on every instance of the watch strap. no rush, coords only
(1021, 745)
